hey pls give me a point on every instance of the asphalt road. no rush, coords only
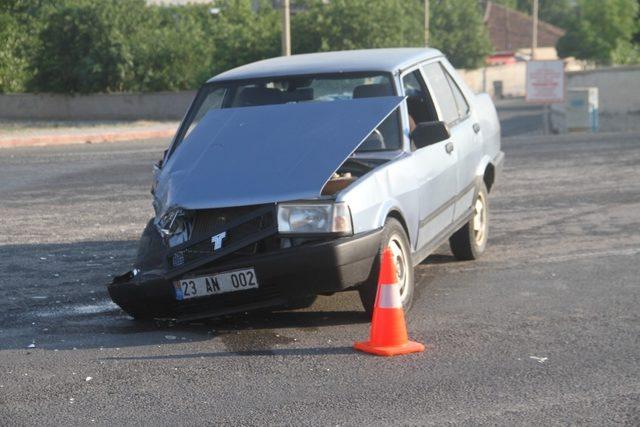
(544, 329)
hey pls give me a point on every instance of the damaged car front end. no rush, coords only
(247, 208)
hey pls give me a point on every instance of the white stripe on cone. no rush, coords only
(390, 296)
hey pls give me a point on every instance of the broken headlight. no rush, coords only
(314, 218)
(175, 226)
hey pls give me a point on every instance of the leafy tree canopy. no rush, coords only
(602, 32)
(456, 27)
(556, 12)
(467, 48)
(126, 45)
(355, 24)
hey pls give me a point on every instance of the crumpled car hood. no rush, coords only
(266, 154)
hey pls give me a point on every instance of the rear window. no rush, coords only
(441, 91)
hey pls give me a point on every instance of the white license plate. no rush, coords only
(219, 283)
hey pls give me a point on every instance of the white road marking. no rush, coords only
(100, 307)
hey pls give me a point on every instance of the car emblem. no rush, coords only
(217, 240)
(178, 259)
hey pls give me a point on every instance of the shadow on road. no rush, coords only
(56, 299)
(314, 351)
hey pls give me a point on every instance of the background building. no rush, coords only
(510, 34)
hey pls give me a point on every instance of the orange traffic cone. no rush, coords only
(388, 328)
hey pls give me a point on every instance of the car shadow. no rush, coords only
(439, 258)
(61, 303)
(312, 351)
(56, 299)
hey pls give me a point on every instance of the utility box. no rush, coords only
(581, 107)
(498, 90)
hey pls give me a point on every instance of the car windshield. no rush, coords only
(297, 89)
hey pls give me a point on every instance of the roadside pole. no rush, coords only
(426, 23)
(534, 30)
(286, 28)
(545, 119)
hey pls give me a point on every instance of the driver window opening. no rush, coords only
(419, 103)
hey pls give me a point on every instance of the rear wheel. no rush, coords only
(471, 240)
(396, 239)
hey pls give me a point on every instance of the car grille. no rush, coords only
(207, 221)
(247, 229)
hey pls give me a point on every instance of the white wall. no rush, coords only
(619, 87)
(512, 77)
(619, 97)
(121, 106)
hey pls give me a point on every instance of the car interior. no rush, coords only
(385, 137)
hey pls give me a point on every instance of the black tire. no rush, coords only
(393, 233)
(466, 243)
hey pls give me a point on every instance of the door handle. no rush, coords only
(449, 147)
(476, 127)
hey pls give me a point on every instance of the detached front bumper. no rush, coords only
(313, 268)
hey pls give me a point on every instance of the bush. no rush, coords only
(124, 45)
(173, 51)
(85, 46)
(356, 24)
(457, 28)
(603, 33)
(242, 35)
(16, 44)
(13, 65)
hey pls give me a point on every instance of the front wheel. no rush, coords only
(395, 238)
(470, 241)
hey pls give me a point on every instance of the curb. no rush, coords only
(88, 138)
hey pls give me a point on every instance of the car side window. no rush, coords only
(442, 91)
(419, 103)
(461, 102)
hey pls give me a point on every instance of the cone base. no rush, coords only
(392, 350)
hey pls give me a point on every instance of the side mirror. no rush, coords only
(428, 133)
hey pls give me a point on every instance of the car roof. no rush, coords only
(385, 60)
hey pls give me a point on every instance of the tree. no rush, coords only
(456, 27)
(13, 65)
(355, 24)
(560, 13)
(557, 12)
(174, 49)
(242, 35)
(511, 4)
(602, 30)
(16, 44)
(458, 30)
(84, 46)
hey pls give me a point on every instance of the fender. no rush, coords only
(383, 213)
(482, 165)
(385, 208)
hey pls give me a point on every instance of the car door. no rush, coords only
(434, 166)
(457, 114)
(470, 147)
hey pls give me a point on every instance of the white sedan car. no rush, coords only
(288, 176)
